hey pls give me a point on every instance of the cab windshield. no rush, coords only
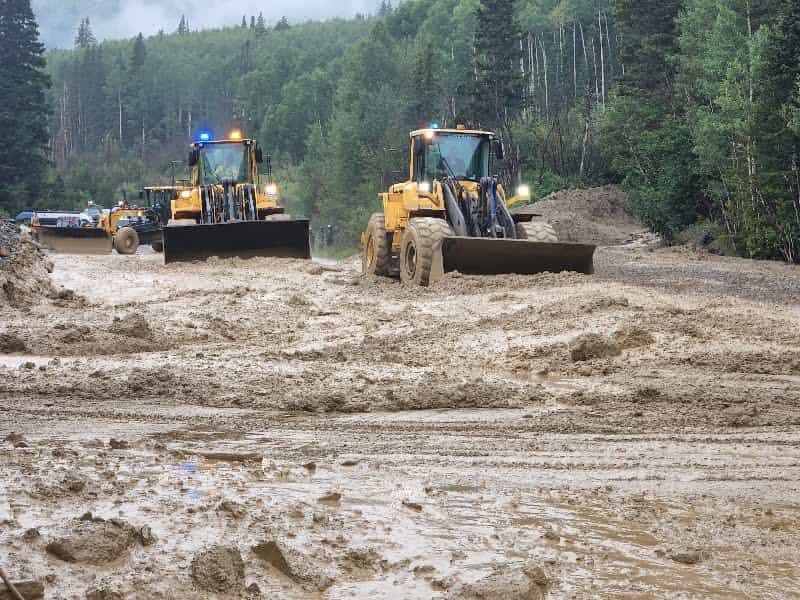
(461, 156)
(224, 161)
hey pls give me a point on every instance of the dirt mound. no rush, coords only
(10, 344)
(592, 345)
(94, 542)
(24, 269)
(631, 336)
(510, 583)
(134, 325)
(301, 568)
(593, 216)
(219, 569)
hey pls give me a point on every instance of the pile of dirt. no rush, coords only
(134, 325)
(219, 569)
(298, 566)
(526, 582)
(24, 269)
(590, 346)
(94, 541)
(593, 216)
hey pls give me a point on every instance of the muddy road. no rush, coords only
(287, 429)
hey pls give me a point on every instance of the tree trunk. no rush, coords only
(602, 59)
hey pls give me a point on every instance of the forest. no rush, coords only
(692, 105)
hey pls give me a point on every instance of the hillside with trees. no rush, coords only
(694, 105)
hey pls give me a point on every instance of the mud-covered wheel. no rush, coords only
(126, 241)
(422, 245)
(537, 231)
(158, 247)
(376, 258)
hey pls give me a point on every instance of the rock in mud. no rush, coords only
(299, 567)
(219, 569)
(687, 556)
(298, 301)
(330, 499)
(633, 337)
(146, 536)
(14, 437)
(133, 326)
(510, 583)
(590, 346)
(95, 542)
(234, 509)
(115, 444)
(11, 344)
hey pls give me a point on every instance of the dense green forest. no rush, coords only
(694, 105)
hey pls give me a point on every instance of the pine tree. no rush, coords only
(425, 85)
(183, 26)
(282, 25)
(137, 91)
(23, 106)
(244, 21)
(253, 22)
(138, 55)
(261, 24)
(648, 32)
(85, 36)
(385, 8)
(498, 94)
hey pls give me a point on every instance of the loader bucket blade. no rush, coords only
(486, 256)
(75, 240)
(246, 239)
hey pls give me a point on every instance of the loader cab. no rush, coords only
(231, 160)
(460, 154)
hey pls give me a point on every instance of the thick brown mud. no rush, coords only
(287, 429)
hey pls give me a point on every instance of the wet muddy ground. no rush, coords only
(285, 429)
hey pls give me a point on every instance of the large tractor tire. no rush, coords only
(126, 241)
(537, 231)
(421, 248)
(376, 258)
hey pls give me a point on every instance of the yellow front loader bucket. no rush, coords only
(75, 240)
(490, 256)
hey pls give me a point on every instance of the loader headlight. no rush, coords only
(424, 187)
(429, 134)
(271, 189)
(523, 190)
(186, 194)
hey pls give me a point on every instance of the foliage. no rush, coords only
(694, 105)
(23, 107)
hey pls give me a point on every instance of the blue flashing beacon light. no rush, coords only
(205, 136)
(434, 126)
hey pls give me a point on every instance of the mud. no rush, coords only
(284, 429)
(24, 270)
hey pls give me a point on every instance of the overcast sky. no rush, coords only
(112, 19)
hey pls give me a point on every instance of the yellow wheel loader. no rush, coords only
(99, 231)
(229, 209)
(452, 215)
